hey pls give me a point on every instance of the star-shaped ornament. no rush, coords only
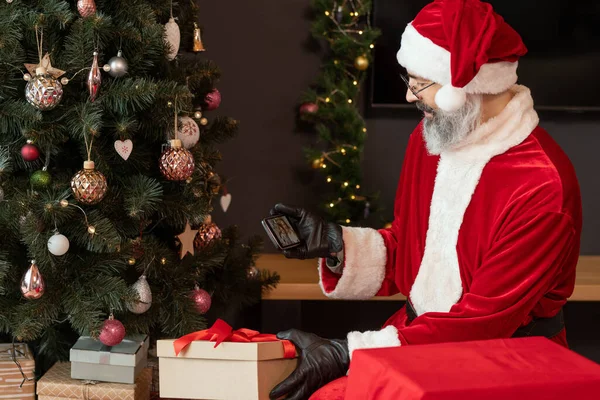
(187, 240)
(50, 70)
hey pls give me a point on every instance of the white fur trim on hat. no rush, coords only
(387, 337)
(449, 98)
(424, 58)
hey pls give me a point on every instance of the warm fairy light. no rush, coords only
(327, 100)
(355, 83)
(360, 32)
(343, 151)
(346, 183)
(328, 179)
(91, 230)
(331, 205)
(327, 13)
(372, 46)
(353, 197)
(324, 165)
(365, 130)
(358, 186)
(347, 221)
(349, 101)
(355, 148)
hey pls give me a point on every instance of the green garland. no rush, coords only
(332, 106)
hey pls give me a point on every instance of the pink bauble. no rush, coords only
(212, 100)
(202, 300)
(309, 108)
(30, 152)
(112, 333)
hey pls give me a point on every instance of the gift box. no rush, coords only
(17, 377)
(58, 384)
(90, 359)
(515, 369)
(242, 365)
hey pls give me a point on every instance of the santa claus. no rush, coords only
(487, 217)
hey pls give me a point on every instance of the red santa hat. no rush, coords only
(464, 46)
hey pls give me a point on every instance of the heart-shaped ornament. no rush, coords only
(225, 201)
(124, 148)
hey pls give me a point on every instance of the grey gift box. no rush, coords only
(92, 360)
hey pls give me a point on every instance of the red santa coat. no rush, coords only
(485, 237)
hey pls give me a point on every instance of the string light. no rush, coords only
(347, 221)
(349, 101)
(365, 130)
(327, 13)
(360, 32)
(91, 230)
(358, 186)
(331, 205)
(327, 100)
(324, 165)
(372, 46)
(353, 197)
(346, 183)
(343, 151)
(355, 83)
(328, 179)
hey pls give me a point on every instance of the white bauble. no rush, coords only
(173, 37)
(188, 132)
(142, 288)
(58, 244)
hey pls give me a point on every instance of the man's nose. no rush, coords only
(410, 96)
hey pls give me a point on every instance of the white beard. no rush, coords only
(446, 129)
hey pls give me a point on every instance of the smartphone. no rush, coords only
(281, 232)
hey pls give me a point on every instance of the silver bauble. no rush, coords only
(142, 288)
(43, 92)
(118, 65)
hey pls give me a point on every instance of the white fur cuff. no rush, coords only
(365, 258)
(387, 337)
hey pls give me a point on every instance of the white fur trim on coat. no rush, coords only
(365, 257)
(387, 337)
(424, 58)
(438, 283)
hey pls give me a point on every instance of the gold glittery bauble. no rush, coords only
(316, 163)
(43, 92)
(88, 185)
(361, 63)
(207, 233)
(176, 163)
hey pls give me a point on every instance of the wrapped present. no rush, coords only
(17, 377)
(58, 384)
(90, 359)
(223, 364)
(499, 369)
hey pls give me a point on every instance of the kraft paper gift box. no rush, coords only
(57, 384)
(10, 374)
(90, 359)
(230, 371)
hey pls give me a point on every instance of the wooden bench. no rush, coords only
(300, 279)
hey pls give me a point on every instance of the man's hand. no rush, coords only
(319, 237)
(320, 361)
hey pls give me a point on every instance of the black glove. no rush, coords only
(319, 237)
(320, 361)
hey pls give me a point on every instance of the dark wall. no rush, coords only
(261, 48)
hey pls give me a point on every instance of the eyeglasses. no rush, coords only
(414, 90)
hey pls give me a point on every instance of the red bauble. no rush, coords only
(212, 100)
(113, 332)
(29, 152)
(202, 300)
(309, 108)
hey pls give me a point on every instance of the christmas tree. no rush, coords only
(332, 105)
(107, 176)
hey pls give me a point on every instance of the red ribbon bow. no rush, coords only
(221, 332)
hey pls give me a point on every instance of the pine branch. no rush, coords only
(142, 196)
